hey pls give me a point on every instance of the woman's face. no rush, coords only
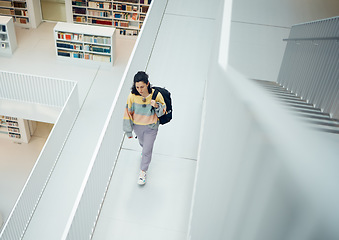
(142, 88)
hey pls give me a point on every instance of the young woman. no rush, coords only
(141, 115)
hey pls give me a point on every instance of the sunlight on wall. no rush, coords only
(225, 34)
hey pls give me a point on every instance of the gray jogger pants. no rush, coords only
(146, 137)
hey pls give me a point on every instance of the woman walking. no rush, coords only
(141, 115)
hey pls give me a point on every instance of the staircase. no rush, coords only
(306, 111)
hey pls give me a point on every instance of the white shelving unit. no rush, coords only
(15, 129)
(125, 15)
(25, 13)
(8, 41)
(85, 43)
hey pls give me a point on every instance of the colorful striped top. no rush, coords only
(141, 113)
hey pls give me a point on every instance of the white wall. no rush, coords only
(258, 27)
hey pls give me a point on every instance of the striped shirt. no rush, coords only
(141, 113)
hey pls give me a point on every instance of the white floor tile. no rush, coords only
(206, 9)
(159, 208)
(16, 163)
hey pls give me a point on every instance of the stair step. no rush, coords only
(306, 112)
(309, 111)
(296, 102)
(314, 116)
(301, 106)
(282, 92)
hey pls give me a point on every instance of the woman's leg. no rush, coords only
(148, 143)
(146, 137)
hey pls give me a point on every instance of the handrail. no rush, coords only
(310, 66)
(34, 89)
(87, 207)
(311, 39)
(65, 93)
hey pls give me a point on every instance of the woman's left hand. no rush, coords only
(154, 104)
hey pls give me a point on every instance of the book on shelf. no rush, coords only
(99, 13)
(134, 16)
(128, 32)
(3, 28)
(145, 2)
(100, 5)
(77, 55)
(19, 4)
(79, 3)
(77, 10)
(21, 20)
(5, 11)
(100, 21)
(79, 19)
(144, 9)
(63, 53)
(69, 45)
(5, 4)
(129, 1)
(3, 37)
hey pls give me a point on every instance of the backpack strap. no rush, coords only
(155, 94)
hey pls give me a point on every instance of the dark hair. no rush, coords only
(141, 76)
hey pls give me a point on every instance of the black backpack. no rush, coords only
(168, 101)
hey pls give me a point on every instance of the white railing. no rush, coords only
(46, 91)
(34, 89)
(310, 66)
(86, 210)
(260, 174)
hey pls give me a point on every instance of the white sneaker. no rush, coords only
(142, 178)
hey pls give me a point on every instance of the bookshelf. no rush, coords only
(85, 43)
(15, 129)
(8, 41)
(127, 16)
(25, 13)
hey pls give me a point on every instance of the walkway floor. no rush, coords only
(161, 208)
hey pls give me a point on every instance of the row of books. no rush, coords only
(79, 3)
(100, 5)
(79, 19)
(98, 49)
(13, 130)
(5, 4)
(20, 12)
(79, 10)
(18, 4)
(69, 46)
(145, 1)
(13, 12)
(127, 16)
(69, 36)
(128, 32)
(2, 117)
(100, 21)
(98, 58)
(3, 37)
(11, 123)
(99, 13)
(14, 135)
(71, 54)
(86, 56)
(4, 45)
(121, 24)
(124, 7)
(96, 39)
(129, 1)
(21, 20)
